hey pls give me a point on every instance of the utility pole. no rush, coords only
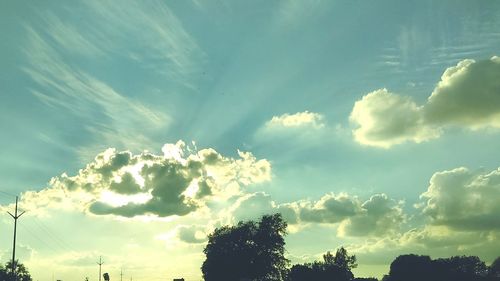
(15, 217)
(121, 274)
(100, 263)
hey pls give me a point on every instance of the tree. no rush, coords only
(341, 259)
(20, 270)
(332, 267)
(3, 274)
(460, 268)
(410, 268)
(248, 251)
(416, 268)
(494, 270)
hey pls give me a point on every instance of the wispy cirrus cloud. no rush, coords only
(108, 116)
(163, 43)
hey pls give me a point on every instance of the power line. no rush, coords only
(54, 237)
(8, 193)
(33, 234)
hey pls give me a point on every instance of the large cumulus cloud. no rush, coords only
(178, 182)
(459, 215)
(386, 119)
(468, 95)
(377, 216)
(463, 199)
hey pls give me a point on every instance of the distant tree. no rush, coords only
(410, 268)
(365, 279)
(341, 259)
(20, 270)
(416, 268)
(332, 267)
(494, 270)
(248, 251)
(3, 274)
(460, 268)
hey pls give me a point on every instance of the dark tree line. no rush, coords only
(255, 251)
(458, 268)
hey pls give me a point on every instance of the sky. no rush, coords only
(132, 129)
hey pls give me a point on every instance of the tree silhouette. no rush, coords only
(460, 268)
(494, 270)
(410, 268)
(332, 267)
(248, 251)
(3, 274)
(457, 268)
(341, 259)
(20, 270)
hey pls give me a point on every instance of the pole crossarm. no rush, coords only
(16, 217)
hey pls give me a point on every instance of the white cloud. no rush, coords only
(460, 217)
(437, 241)
(386, 119)
(299, 119)
(330, 208)
(467, 96)
(464, 199)
(178, 182)
(377, 216)
(305, 127)
(192, 234)
(380, 216)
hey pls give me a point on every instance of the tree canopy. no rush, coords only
(20, 270)
(333, 267)
(254, 251)
(248, 251)
(457, 268)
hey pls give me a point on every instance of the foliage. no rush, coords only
(254, 251)
(494, 269)
(457, 268)
(332, 267)
(20, 270)
(248, 251)
(341, 259)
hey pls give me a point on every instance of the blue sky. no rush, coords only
(298, 84)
